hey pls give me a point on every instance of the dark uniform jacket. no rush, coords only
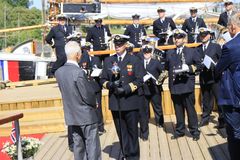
(214, 51)
(89, 64)
(159, 27)
(79, 100)
(96, 36)
(223, 18)
(155, 68)
(59, 35)
(189, 26)
(131, 78)
(135, 34)
(182, 83)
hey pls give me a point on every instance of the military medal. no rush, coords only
(129, 69)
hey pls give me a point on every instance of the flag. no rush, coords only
(13, 134)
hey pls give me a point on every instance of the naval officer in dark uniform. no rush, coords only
(223, 18)
(162, 26)
(208, 83)
(123, 76)
(97, 35)
(89, 63)
(152, 91)
(57, 39)
(135, 31)
(192, 24)
(181, 64)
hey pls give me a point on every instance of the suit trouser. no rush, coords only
(208, 93)
(99, 111)
(61, 58)
(232, 119)
(86, 142)
(182, 102)
(129, 127)
(144, 113)
(70, 138)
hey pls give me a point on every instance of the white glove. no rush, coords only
(185, 68)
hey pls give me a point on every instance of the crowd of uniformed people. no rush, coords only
(134, 79)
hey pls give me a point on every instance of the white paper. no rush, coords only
(146, 77)
(227, 37)
(207, 61)
(96, 72)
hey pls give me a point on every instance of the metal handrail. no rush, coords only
(15, 118)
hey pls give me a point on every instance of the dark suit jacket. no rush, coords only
(96, 36)
(159, 27)
(135, 34)
(131, 73)
(189, 27)
(79, 98)
(89, 64)
(228, 65)
(207, 76)
(223, 18)
(155, 68)
(182, 83)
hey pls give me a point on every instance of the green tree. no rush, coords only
(23, 3)
(19, 16)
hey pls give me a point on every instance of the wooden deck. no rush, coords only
(211, 146)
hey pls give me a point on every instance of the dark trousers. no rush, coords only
(129, 128)
(99, 112)
(86, 142)
(232, 119)
(209, 92)
(144, 119)
(70, 138)
(61, 58)
(182, 102)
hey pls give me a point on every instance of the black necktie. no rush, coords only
(146, 63)
(204, 48)
(119, 59)
(63, 28)
(178, 51)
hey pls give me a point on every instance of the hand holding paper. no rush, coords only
(96, 72)
(207, 61)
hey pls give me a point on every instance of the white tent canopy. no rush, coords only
(149, 10)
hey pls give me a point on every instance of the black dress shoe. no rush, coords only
(203, 123)
(196, 137)
(160, 125)
(101, 132)
(176, 136)
(144, 139)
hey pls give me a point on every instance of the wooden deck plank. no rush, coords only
(213, 145)
(163, 143)
(183, 145)
(107, 146)
(67, 155)
(144, 149)
(160, 146)
(115, 148)
(47, 147)
(50, 154)
(62, 149)
(173, 145)
(154, 146)
(219, 137)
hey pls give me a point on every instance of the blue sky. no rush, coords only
(37, 4)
